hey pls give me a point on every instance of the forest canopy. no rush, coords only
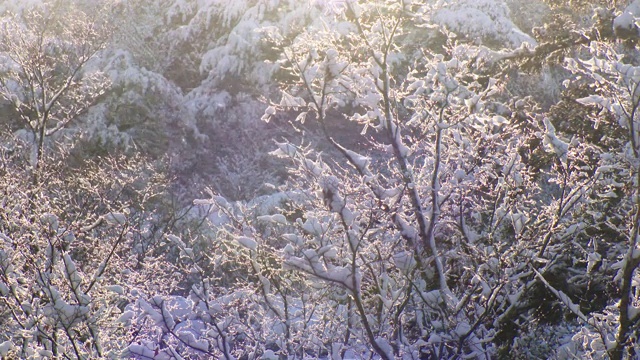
(307, 179)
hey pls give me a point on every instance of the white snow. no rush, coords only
(633, 313)
(552, 142)
(247, 242)
(518, 221)
(291, 101)
(50, 220)
(313, 226)
(628, 19)
(189, 338)
(176, 240)
(4, 290)
(115, 218)
(276, 218)
(404, 261)
(270, 110)
(5, 347)
(116, 289)
(72, 271)
(151, 312)
(482, 20)
(385, 347)
(145, 352)
(126, 317)
(45, 353)
(434, 338)
(407, 230)
(432, 298)
(360, 161)
(269, 355)
(462, 328)
(314, 167)
(293, 238)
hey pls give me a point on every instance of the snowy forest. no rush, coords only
(320, 179)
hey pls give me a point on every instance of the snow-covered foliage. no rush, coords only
(628, 21)
(482, 21)
(614, 87)
(382, 247)
(66, 255)
(437, 180)
(43, 67)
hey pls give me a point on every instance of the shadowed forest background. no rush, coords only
(319, 179)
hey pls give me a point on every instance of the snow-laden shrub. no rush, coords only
(69, 250)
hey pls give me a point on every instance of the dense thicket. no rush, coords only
(372, 179)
